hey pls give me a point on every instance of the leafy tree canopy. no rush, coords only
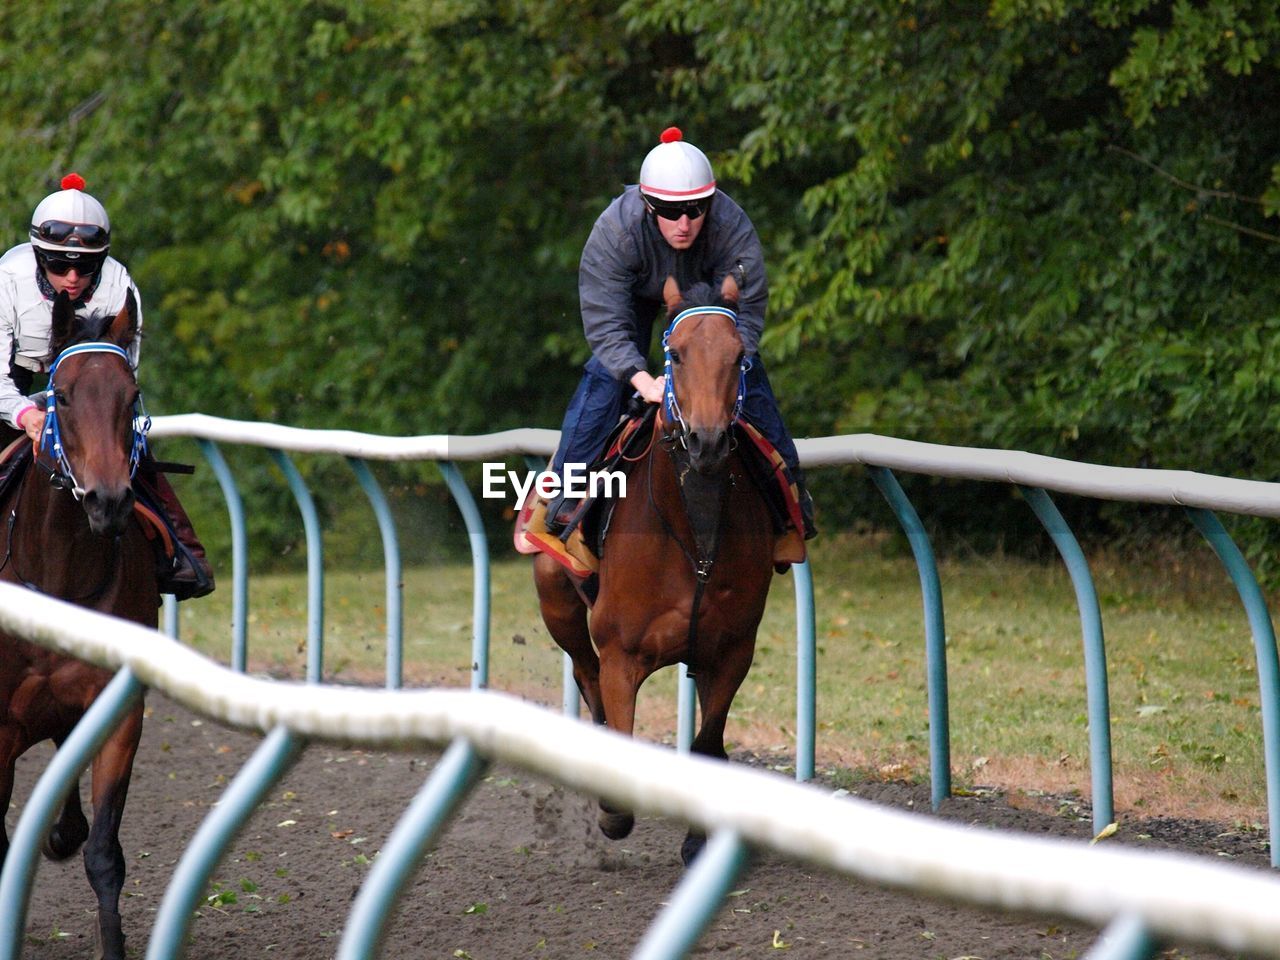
(1045, 224)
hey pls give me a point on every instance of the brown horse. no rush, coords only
(687, 564)
(71, 534)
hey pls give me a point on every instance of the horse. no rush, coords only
(685, 570)
(72, 534)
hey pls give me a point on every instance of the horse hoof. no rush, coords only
(691, 847)
(62, 843)
(616, 825)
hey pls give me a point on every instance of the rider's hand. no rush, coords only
(32, 421)
(651, 388)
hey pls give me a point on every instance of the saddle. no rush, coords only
(579, 546)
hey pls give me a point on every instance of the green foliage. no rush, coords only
(1045, 224)
(1042, 225)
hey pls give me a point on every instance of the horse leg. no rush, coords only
(716, 690)
(7, 760)
(13, 743)
(71, 828)
(620, 680)
(103, 858)
(565, 615)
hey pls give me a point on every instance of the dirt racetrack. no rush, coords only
(521, 872)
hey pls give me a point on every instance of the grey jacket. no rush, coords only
(626, 261)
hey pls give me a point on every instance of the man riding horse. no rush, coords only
(674, 223)
(67, 253)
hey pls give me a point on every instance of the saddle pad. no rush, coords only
(789, 547)
(532, 536)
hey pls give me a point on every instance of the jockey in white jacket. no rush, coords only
(70, 236)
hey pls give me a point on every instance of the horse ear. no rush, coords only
(64, 316)
(124, 328)
(729, 290)
(671, 295)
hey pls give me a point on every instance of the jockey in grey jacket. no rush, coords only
(627, 259)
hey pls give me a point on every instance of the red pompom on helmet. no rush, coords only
(71, 221)
(675, 170)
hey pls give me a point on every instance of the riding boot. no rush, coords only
(564, 513)
(559, 510)
(806, 503)
(187, 574)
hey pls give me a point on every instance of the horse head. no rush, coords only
(92, 408)
(705, 369)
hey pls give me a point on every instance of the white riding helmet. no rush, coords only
(675, 171)
(71, 221)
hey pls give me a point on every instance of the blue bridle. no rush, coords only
(51, 441)
(670, 405)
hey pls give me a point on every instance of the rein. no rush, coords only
(701, 561)
(51, 440)
(671, 405)
(705, 549)
(84, 598)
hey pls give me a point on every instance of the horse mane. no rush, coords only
(701, 295)
(68, 328)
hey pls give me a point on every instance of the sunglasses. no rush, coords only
(693, 209)
(86, 266)
(84, 234)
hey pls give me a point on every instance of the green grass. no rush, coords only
(1186, 727)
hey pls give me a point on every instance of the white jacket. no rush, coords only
(26, 319)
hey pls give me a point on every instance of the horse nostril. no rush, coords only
(722, 444)
(108, 512)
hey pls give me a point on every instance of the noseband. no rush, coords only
(671, 405)
(51, 441)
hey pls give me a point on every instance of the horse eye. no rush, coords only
(675, 357)
(60, 397)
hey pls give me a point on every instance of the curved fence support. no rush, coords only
(448, 785)
(59, 779)
(267, 765)
(697, 899)
(806, 671)
(935, 635)
(686, 708)
(391, 560)
(1095, 654)
(169, 615)
(239, 553)
(315, 566)
(1174, 897)
(1126, 938)
(1264, 646)
(571, 699)
(480, 573)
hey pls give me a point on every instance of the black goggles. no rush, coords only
(85, 264)
(81, 234)
(669, 210)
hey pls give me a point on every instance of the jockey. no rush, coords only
(673, 223)
(70, 237)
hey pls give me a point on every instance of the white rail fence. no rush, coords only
(1134, 894)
